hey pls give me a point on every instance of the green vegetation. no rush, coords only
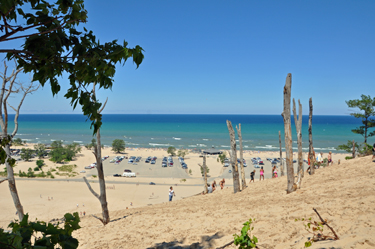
(366, 110)
(39, 234)
(40, 163)
(182, 153)
(67, 168)
(36, 168)
(171, 151)
(60, 153)
(348, 157)
(94, 176)
(348, 147)
(363, 149)
(190, 172)
(118, 145)
(244, 240)
(40, 150)
(221, 157)
(73, 51)
(183, 180)
(17, 142)
(202, 170)
(26, 154)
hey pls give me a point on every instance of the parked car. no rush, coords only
(127, 170)
(117, 175)
(226, 164)
(152, 183)
(229, 171)
(89, 167)
(82, 171)
(153, 162)
(256, 166)
(164, 164)
(128, 174)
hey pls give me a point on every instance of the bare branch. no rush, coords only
(3, 180)
(91, 190)
(325, 223)
(103, 106)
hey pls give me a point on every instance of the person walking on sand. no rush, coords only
(373, 152)
(252, 174)
(329, 158)
(222, 182)
(171, 193)
(261, 174)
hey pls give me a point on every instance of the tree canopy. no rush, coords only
(118, 145)
(171, 150)
(54, 45)
(366, 106)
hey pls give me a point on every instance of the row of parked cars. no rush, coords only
(134, 159)
(93, 165)
(167, 162)
(182, 162)
(151, 160)
(117, 159)
(227, 162)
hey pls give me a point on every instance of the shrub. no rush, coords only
(26, 154)
(36, 168)
(118, 145)
(40, 234)
(244, 240)
(348, 157)
(30, 173)
(171, 150)
(94, 176)
(40, 163)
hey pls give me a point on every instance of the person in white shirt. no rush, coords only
(171, 193)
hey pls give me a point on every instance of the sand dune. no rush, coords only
(343, 194)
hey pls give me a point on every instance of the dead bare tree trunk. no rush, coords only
(5, 92)
(298, 124)
(233, 158)
(281, 157)
(353, 151)
(311, 148)
(205, 174)
(243, 177)
(291, 187)
(99, 166)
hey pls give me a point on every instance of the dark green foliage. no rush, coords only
(26, 154)
(46, 235)
(171, 151)
(30, 173)
(118, 145)
(366, 106)
(60, 153)
(40, 163)
(52, 46)
(91, 145)
(40, 150)
(244, 240)
(221, 157)
(17, 142)
(202, 170)
(36, 168)
(348, 147)
(348, 157)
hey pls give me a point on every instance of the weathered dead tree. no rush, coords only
(291, 187)
(233, 158)
(281, 157)
(243, 177)
(9, 87)
(298, 124)
(205, 174)
(311, 148)
(99, 166)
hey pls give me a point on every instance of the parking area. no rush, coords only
(141, 168)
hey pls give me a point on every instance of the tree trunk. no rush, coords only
(311, 149)
(291, 187)
(243, 176)
(298, 124)
(281, 157)
(205, 174)
(233, 158)
(12, 185)
(353, 152)
(99, 167)
(366, 125)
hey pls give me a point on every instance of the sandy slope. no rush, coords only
(343, 194)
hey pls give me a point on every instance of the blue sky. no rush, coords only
(218, 57)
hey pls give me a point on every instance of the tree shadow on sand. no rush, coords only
(206, 242)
